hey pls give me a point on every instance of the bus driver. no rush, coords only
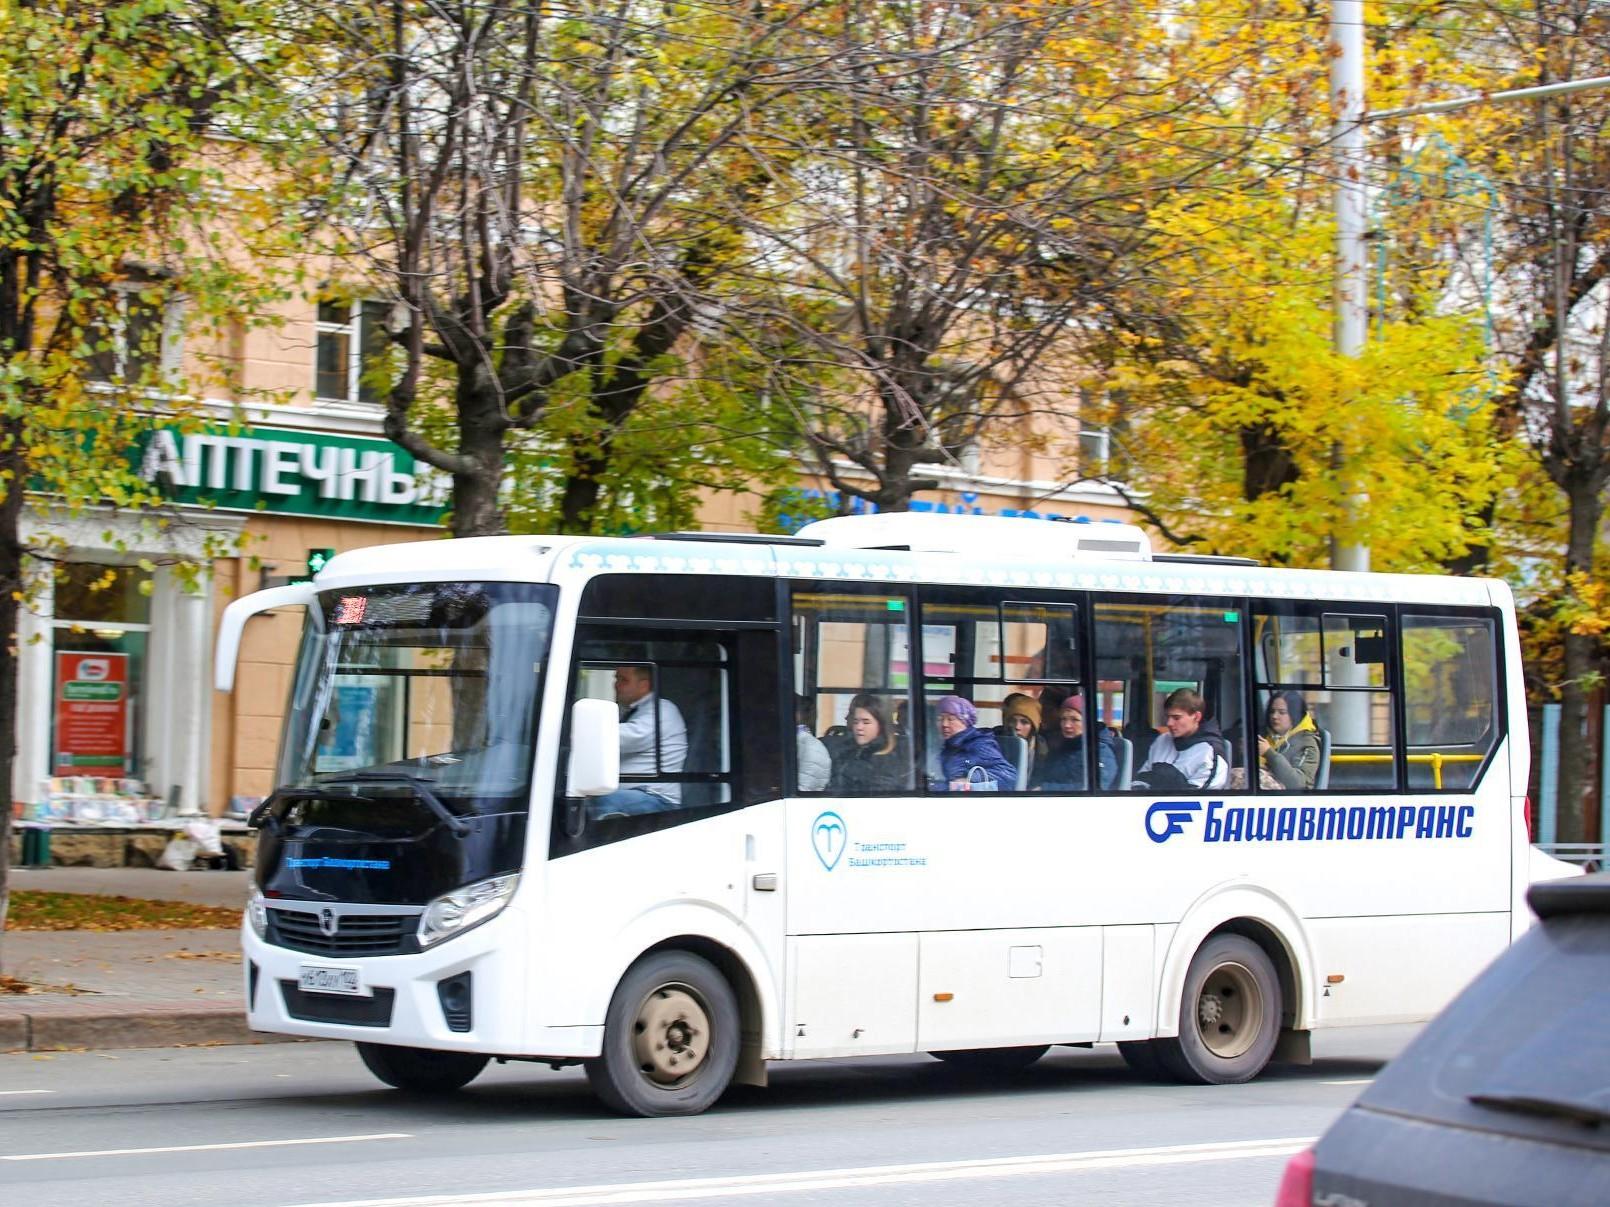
(647, 722)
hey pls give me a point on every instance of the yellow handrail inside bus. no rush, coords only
(1436, 758)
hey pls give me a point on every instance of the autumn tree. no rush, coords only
(951, 196)
(1551, 170)
(543, 193)
(1238, 427)
(111, 196)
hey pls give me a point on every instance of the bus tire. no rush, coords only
(1229, 1015)
(992, 1060)
(421, 1070)
(1141, 1057)
(670, 1038)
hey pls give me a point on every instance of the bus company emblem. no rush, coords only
(1174, 814)
(328, 923)
(828, 835)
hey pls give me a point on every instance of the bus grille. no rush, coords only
(355, 935)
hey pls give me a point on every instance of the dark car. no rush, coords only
(1504, 1098)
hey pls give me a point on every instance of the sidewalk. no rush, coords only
(126, 989)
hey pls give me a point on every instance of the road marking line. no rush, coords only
(1351, 1081)
(202, 1148)
(5, 1093)
(839, 1179)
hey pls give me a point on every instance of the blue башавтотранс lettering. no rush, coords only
(1309, 823)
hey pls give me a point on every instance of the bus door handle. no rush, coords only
(765, 882)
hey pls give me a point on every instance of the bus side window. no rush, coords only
(1450, 699)
(852, 674)
(1154, 650)
(1332, 665)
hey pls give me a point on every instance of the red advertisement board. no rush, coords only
(92, 714)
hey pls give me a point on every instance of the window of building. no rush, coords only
(1332, 666)
(1095, 451)
(852, 680)
(351, 339)
(1169, 685)
(1450, 699)
(137, 342)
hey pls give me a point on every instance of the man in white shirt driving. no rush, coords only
(648, 722)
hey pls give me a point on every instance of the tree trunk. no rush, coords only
(1266, 461)
(583, 487)
(477, 507)
(13, 472)
(1577, 795)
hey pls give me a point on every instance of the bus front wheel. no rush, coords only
(1229, 1015)
(670, 1038)
(421, 1070)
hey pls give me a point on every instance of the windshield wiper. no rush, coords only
(422, 789)
(1586, 1113)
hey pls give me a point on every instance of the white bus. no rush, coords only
(458, 863)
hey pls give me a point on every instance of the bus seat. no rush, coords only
(1126, 763)
(1322, 776)
(1016, 751)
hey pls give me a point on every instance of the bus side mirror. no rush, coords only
(595, 749)
(238, 613)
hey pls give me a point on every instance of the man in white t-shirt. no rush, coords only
(650, 725)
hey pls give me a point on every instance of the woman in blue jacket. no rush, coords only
(968, 748)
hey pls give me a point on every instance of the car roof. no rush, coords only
(1573, 895)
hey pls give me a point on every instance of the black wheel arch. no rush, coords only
(1274, 945)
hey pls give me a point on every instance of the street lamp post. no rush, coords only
(1351, 204)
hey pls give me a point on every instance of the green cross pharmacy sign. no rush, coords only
(286, 472)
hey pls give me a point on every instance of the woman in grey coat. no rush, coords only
(1289, 746)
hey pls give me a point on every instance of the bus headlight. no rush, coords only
(455, 912)
(257, 914)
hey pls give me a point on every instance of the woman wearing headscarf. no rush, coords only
(1289, 746)
(968, 750)
(875, 760)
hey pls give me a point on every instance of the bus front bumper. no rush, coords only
(466, 994)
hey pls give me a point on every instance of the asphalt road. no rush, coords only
(280, 1124)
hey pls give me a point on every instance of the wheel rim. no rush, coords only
(1229, 1011)
(671, 1036)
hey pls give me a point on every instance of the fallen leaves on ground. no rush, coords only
(34, 910)
(10, 984)
(186, 954)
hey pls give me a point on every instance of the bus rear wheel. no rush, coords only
(1229, 1015)
(670, 1038)
(991, 1060)
(421, 1070)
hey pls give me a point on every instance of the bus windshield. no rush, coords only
(429, 688)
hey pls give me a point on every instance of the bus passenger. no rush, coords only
(1020, 714)
(654, 740)
(815, 765)
(1064, 768)
(875, 759)
(968, 749)
(1190, 751)
(1289, 746)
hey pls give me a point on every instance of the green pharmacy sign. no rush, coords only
(287, 472)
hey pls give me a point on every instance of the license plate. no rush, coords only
(321, 978)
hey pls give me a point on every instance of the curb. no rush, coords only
(182, 1025)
